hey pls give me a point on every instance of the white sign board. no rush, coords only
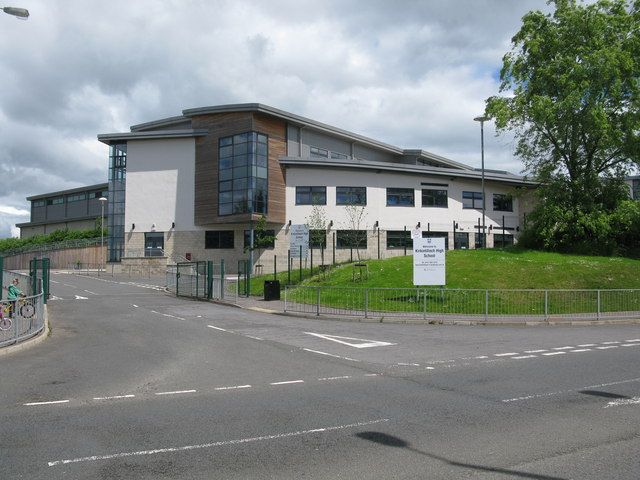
(428, 261)
(416, 233)
(298, 237)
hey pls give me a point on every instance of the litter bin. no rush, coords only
(271, 290)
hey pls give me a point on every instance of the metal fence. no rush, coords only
(465, 304)
(23, 318)
(201, 280)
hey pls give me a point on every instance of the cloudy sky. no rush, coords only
(409, 73)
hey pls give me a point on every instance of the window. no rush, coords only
(318, 238)
(400, 197)
(55, 201)
(339, 156)
(104, 194)
(635, 189)
(77, 197)
(218, 239)
(351, 195)
(268, 233)
(502, 202)
(351, 239)
(444, 235)
(311, 195)
(153, 244)
(480, 241)
(502, 240)
(242, 174)
(399, 239)
(38, 203)
(472, 200)
(319, 152)
(434, 198)
(461, 241)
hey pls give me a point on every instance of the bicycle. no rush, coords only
(5, 320)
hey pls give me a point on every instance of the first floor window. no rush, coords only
(351, 195)
(218, 239)
(400, 197)
(472, 200)
(502, 202)
(311, 195)
(434, 198)
(351, 239)
(399, 239)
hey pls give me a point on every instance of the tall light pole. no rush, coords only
(19, 13)
(482, 119)
(102, 201)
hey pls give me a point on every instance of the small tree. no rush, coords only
(261, 237)
(317, 223)
(356, 219)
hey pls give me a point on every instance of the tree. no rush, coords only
(262, 238)
(572, 98)
(317, 223)
(356, 216)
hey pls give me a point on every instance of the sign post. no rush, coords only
(428, 261)
(299, 238)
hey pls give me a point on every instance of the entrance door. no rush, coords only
(153, 244)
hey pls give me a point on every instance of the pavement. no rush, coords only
(134, 383)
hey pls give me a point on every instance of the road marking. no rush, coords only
(554, 353)
(78, 297)
(581, 350)
(217, 328)
(587, 345)
(53, 281)
(67, 285)
(536, 351)
(53, 297)
(630, 344)
(606, 348)
(481, 356)
(409, 364)
(562, 348)
(366, 343)
(608, 343)
(115, 397)
(330, 354)
(504, 354)
(90, 292)
(176, 392)
(375, 374)
(45, 403)
(239, 441)
(134, 305)
(334, 378)
(541, 395)
(235, 387)
(287, 382)
(525, 356)
(623, 401)
(633, 340)
(254, 338)
(171, 316)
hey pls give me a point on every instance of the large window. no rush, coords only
(502, 240)
(351, 239)
(311, 195)
(434, 198)
(472, 200)
(461, 241)
(116, 197)
(502, 202)
(267, 233)
(242, 169)
(400, 197)
(351, 195)
(398, 239)
(318, 238)
(218, 239)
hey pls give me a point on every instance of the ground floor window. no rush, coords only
(480, 241)
(351, 239)
(153, 244)
(444, 235)
(502, 240)
(461, 241)
(318, 238)
(256, 239)
(398, 239)
(218, 239)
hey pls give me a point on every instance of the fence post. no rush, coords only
(334, 248)
(275, 272)
(318, 301)
(222, 279)
(289, 267)
(598, 314)
(366, 303)
(311, 253)
(546, 306)
(424, 304)
(209, 279)
(486, 305)
(300, 264)
(1, 275)
(285, 297)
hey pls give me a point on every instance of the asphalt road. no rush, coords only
(134, 383)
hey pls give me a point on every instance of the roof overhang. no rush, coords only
(97, 186)
(109, 138)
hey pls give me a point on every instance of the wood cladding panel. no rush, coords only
(206, 163)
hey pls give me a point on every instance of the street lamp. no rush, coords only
(19, 13)
(102, 201)
(482, 119)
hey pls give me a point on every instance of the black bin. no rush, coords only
(271, 290)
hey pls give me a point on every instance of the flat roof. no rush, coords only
(98, 186)
(108, 138)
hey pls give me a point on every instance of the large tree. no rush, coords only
(571, 95)
(573, 85)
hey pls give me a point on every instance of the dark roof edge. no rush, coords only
(163, 122)
(51, 222)
(151, 135)
(97, 186)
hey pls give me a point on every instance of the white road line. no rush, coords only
(409, 364)
(287, 382)
(235, 387)
(67, 285)
(606, 348)
(623, 401)
(554, 353)
(254, 338)
(134, 305)
(504, 354)
(375, 374)
(172, 316)
(581, 350)
(630, 344)
(430, 368)
(115, 397)
(330, 354)
(525, 356)
(92, 293)
(536, 351)
(217, 328)
(334, 378)
(239, 441)
(633, 340)
(563, 348)
(53, 281)
(587, 345)
(176, 392)
(45, 403)
(481, 356)
(541, 395)
(609, 343)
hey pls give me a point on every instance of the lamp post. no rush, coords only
(102, 201)
(19, 13)
(482, 119)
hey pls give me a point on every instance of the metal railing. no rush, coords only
(493, 306)
(23, 318)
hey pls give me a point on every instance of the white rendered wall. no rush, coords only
(396, 218)
(160, 185)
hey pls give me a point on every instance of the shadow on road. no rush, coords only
(392, 441)
(598, 393)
